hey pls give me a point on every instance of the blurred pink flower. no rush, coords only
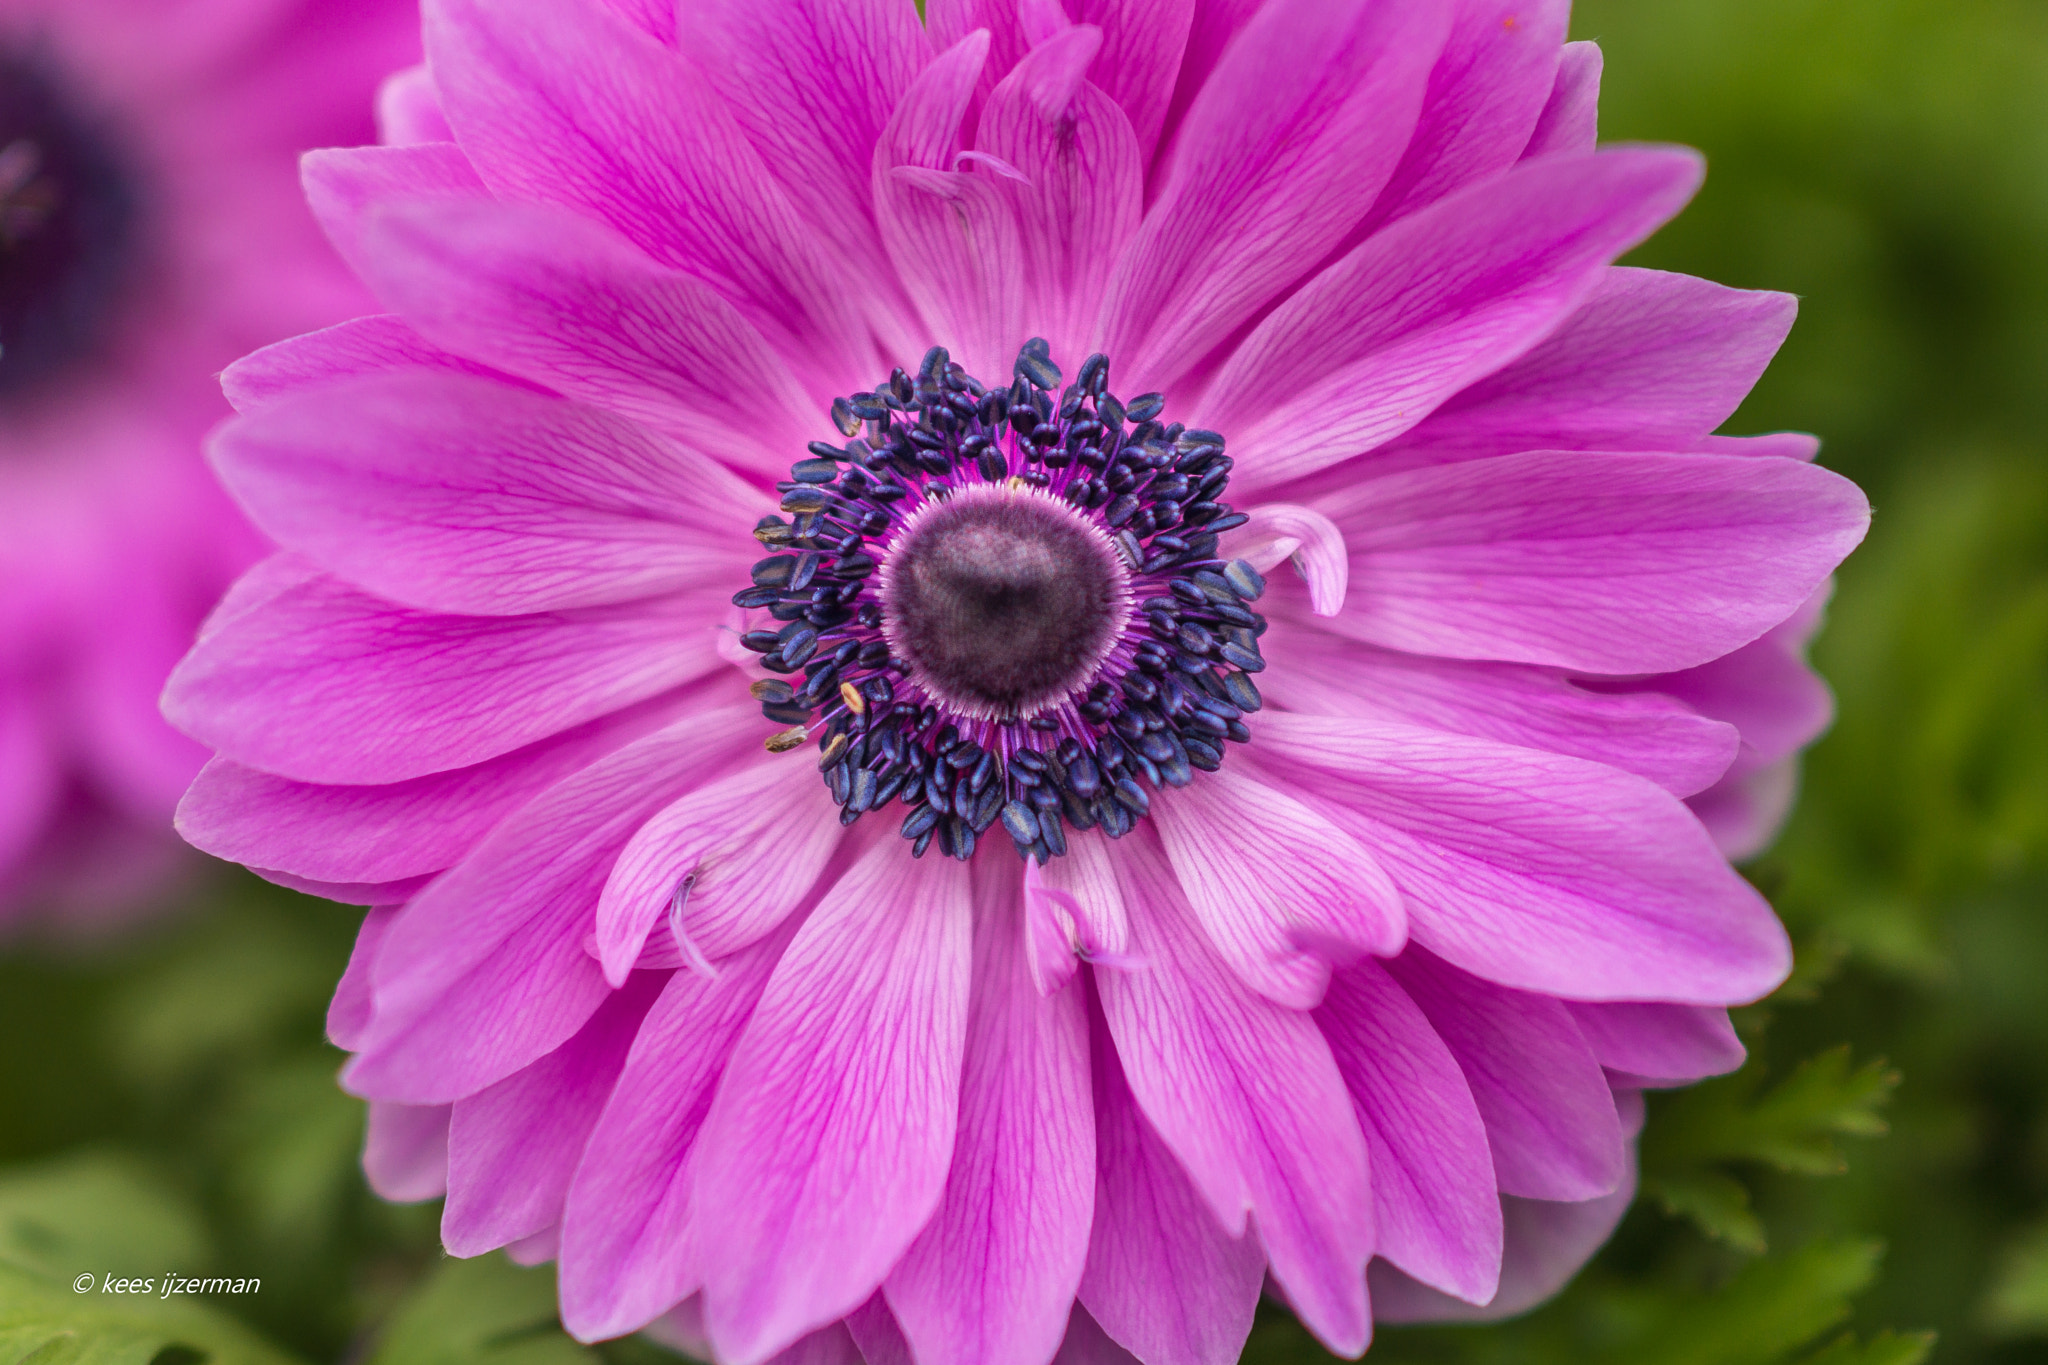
(151, 230)
(1356, 909)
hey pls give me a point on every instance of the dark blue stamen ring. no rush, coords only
(1006, 604)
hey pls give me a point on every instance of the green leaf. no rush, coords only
(96, 1212)
(486, 1311)
(51, 1323)
(1716, 1202)
(2017, 1303)
(1770, 1308)
(1886, 1348)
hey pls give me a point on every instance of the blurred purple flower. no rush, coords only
(151, 230)
(1359, 1013)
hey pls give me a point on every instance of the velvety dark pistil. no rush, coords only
(1006, 605)
(67, 227)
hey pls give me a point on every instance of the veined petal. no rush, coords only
(1570, 122)
(372, 345)
(1672, 1044)
(826, 1150)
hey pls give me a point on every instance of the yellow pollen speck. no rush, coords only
(1508, 22)
(1014, 483)
(855, 702)
(782, 741)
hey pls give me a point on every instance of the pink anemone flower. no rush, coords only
(151, 230)
(813, 456)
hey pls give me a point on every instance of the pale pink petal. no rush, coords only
(1301, 124)
(348, 1014)
(1537, 870)
(1570, 123)
(328, 684)
(1141, 57)
(561, 101)
(749, 846)
(448, 493)
(405, 1151)
(1279, 889)
(991, 1278)
(1643, 732)
(486, 970)
(1443, 298)
(345, 185)
(1247, 1095)
(1436, 1213)
(1085, 187)
(625, 1223)
(1668, 1044)
(826, 1149)
(567, 303)
(409, 109)
(1650, 361)
(1596, 562)
(369, 345)
(513, 1147)
(1550, 1118)
(1279, 532)
(1163, 1279)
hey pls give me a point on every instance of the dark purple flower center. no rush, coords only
(1006, 605)
(67, 229)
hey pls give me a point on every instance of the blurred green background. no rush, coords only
(1887, 160)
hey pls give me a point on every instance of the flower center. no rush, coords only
(1050, 636)
(67, 219)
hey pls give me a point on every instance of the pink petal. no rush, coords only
(1280, 891)
(565, 302)
(486, 970)
(1085, 187)
(813, 83)
(1672, 1044)
(1486, 94)
(1642, 732)
(625, 1223)
(1649, 361)
(348, 1014)
(751, 846)
(409, 109)
(328, 684)
(1600, 563)
(1302, 122)
(405, 1151)
(1438, 300)
(364, 346)
(345, 185)
(562, 102)
(1550, 1117)
(389, 831)
(1536, 870)
(1142, 44)
(1436, 1213)
(1281, 531)
(448, 493)
(1163, 1279)
(1087, 1344)
(1570, 122)
(513, 1147)
(1765, 689)
(1247, 1095)
(827, 1147)
(991, 1278)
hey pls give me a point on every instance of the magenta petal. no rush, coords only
(1642, 732)
(751, 845)
(1550, 1118)
(348, 1014)
(1087, 1344)
(1163, 1280)
(513, 1147)
(1650, 361)
(562, 102)
(370, 345)
(826, 1149)
(1599, 563)
(409, 109)
(448, 493)
(486, 970)
(1536, 870)
(345, 186)
(1302, 122)
(405, 1151)
(626, 1220)
(1671, 1044)
(1436, 1213)
(1281, 894)
(328, 684)
(1570, 123)
(1370, 346)
(992, 1276)
(1486, 94)
(1085, 174)
(1247, 1095)
(1141, 57)
(1279, 532)
(567, 303)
